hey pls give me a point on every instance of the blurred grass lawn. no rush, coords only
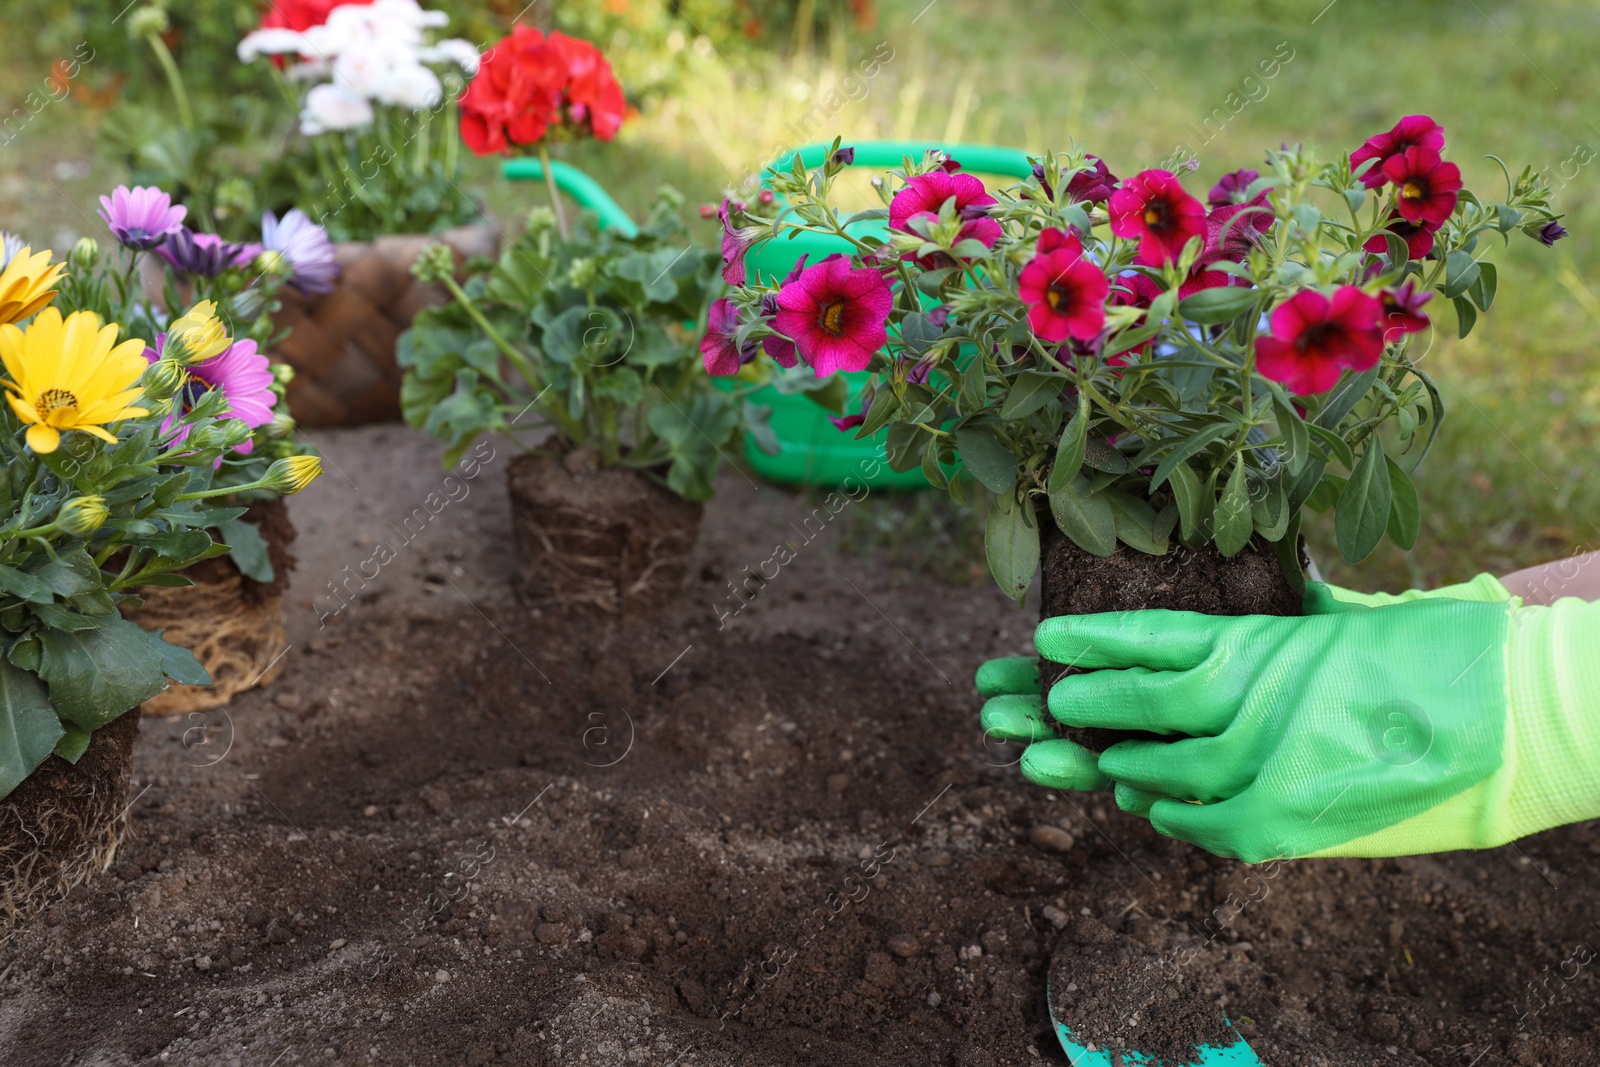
(1511, 481)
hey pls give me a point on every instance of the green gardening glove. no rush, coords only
(1420, 726)
(1014, 707)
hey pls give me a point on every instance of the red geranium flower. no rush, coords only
(1426, 185)
(1418, 237)
(1413, 131)
(1402, 310)
(1314, 339)
(1065, 293)
(301, 15)
(1153, 207)
(925, 194)
(528, 83)
(836, 315)
(720, 348)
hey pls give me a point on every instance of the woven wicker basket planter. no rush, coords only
(63, 824)
(341, 344)
(233, 624)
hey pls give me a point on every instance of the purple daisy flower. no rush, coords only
(141, 217)
(204, 254)
(313, 261)
(242, 373)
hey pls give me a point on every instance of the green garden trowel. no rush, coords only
(1236, 1053)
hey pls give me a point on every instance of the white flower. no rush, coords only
(463, 54)
(272, 43)
(330, 107)
(415, 87)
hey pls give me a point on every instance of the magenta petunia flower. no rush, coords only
(844, 423)
(1418, 237)
(736, 242)
(1153, 207)
(1413, 131)
(204, 254)
(1402, 310)
(1093, 186)
(242, 373)
(313, 261)
(1065, 292)
(836, 316)
(141, 217)
(1133, 290)
(1426, 186)
(1314, 339)
(1231, 189)
(925, 194)
(720, 348)
(1231, 232)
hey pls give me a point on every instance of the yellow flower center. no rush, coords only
(1411, 190)
(833, 318)
(53, 400)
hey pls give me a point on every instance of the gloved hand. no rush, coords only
(1013, 707)
(1416, 727)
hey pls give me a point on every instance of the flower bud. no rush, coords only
(149, 20)
(164, 378)
(434, 264)
(82, 516)
(583, 273)
(282, 373)
(540, 219)
(85, 254)
(234, 432)
(198, 335)
(281, 428)
(272, 264)
(291, 475)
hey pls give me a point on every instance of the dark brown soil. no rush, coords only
(1076, 582)
(608, 539)
(62, 825)
(460, 832)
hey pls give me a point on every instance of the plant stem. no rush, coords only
(174, 79)
(550, 186)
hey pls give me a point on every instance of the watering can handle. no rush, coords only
(576, 184)
(983, 158)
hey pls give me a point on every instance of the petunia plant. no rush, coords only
(1127, 361)
(213, 340)
(587, 341)
(106, 485)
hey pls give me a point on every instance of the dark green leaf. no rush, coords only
(1102, 457)
(1460, 272)
(1187, 447)
(29, 726)
(1221, 304)
(1362, 514)
(918, 333)
(1292, 428)
(1483, 290)
(248, 549)
(1436, 416)
(1466, 315)
(1269, 506)
(1084, 517)
(931, 468)
(1135, 523)
(1070, 449)
(990, 461)
(1032, 391)
(1288, 548)
(73, 744)
(97, 674)
(26, 586)
(1405, 516)
(1233, 522)
(1344, 397)
(904, 445)
(1194, 504)
(1011, 543)
(72, 573)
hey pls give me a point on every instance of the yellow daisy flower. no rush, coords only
(27, 284)
(70, 375)
(198, 335)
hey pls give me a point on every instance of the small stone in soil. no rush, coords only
(1051, 838)
(904, 945)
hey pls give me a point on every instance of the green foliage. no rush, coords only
(596, 335)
